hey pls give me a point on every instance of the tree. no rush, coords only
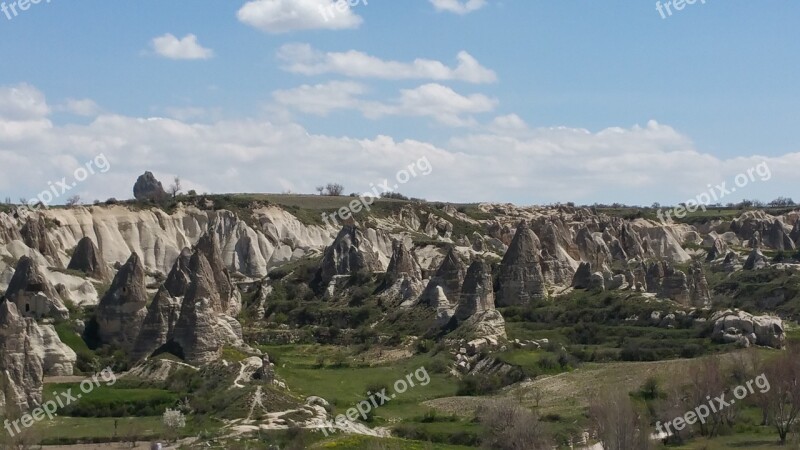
(334, 189)
(782, 201)
(175, 188)
(618, 425)
(321, 190)
(173, 419)
(783, 396)
(509, 426)
(74, 200)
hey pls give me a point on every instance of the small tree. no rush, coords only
(334, 189)
(321, 190)
(783, 404)
(74, 200)
(175, 188)
(173, 419)
(512, 427)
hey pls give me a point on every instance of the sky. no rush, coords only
(523, 101)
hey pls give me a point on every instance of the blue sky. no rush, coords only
(556, 100)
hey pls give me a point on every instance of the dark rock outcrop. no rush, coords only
(777, 237)
(520, 276)
(583, 276)
(699, 292)
(756, 260)
(444, 288)
(147, 187)
(87, 259)
(717, 250)
(33, 294)
(123, 308)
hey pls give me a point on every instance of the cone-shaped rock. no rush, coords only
(444, 288)
(87, 259)
(350, 252)
(180, 276)
(32, 294)
(122, 309)
(520, 274)
(196, 329)
(717, 250)
(158, 325)
(210, 248)
(477, 294)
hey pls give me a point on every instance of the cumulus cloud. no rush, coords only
(438, 102)
(22, 102)
(321, 99)
(635, 165)
(283, 16)
(84, 107)
(460, 7)
(304, 59)
(169, 46)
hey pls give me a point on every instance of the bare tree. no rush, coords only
(175, 188)
(74, 200)
(783, 375)
(321, 190)
(618, 425)
(510, 426)
(334, 189)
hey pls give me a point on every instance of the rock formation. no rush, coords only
(520, 274)
(87, 259)
(717, 250)
(403, 279)
(122, 309)
(350, 252)
(180, 276)
(34, 234)
(229, 299)
(582, 276)
(777, 238)
(147, 187)
(756, 260)
(742, 327)
(444, 289)
(196, 329)
(477, 293)
(699, 293)
(33, 294)
(158, 325)
(21, 371)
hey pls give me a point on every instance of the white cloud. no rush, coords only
(84, 107)
(432, 100)
(303, 59)
(321, 99)
(22, 102)
(460, 7)
(439, 102)
(282, 16)
(639, 164)
(169, 46)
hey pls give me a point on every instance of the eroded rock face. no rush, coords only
(583, 276)
(21, 371)
(756, 260)
(34, 234)
(229, 298)
(33, 294)
(57, 358)
(520, 274)
(196, 329)
(123, 308)
(180, 276)
(777, 237)
(717, 250)
(350, 252)
(403, 280)
(699, 292)
(742, 327)
(675, 286)
(592, 248)
(158, 325)
(147, 187)
(795, 234)
(477, 293)
(88, 259)
(444, 288)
